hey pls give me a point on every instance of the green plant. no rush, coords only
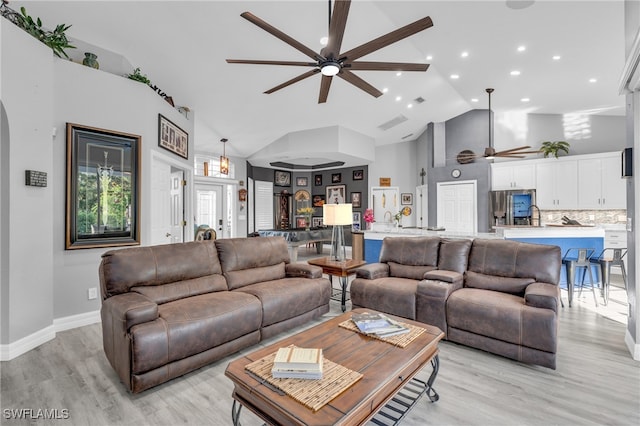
(138, 76)
(56, 39)
(552, 148)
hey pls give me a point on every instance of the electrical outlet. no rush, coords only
(592, 217)
(92, 293)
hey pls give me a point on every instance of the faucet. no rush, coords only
(531, 221)
(390, 216)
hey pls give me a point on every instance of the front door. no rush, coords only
(209, 207)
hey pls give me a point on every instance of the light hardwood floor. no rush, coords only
(596, 383)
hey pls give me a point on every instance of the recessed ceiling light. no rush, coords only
(593, 80)
(455, 76)
(474, 99)
(398, 74)
(515, 72)
(385, 90)
(410, 106)
(464, 54)
(556, 57)
(398, 98)
(429, 57)
(324, 41)
(525, 100)
(522, 48)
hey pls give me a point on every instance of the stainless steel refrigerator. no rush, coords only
(512, 207)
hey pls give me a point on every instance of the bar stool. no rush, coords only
(608, 258)
(582, 260)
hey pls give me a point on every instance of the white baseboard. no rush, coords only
(24, 345)
(633, 346)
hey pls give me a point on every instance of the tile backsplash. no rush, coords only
(585, 217)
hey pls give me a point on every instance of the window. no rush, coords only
(264, 205)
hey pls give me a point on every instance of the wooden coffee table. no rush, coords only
(340, 269)
(386, 370)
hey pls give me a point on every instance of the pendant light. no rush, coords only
(490, 152)
(224, 161)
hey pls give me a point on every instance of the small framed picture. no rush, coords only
(406, 198)
(336, 194)
(356, 198)
(355, 226)
(336, 178)
(302, 181)
(316, 221)
(318, 200)
(281, 178)
(317, 180)
(358, 174)
(301, 222)
(172, 138)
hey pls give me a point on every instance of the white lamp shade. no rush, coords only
(337, 214)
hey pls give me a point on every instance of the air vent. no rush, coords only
(392, 123)
(419, 100)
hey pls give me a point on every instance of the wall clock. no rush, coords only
(455, 173)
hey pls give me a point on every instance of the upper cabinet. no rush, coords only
(513, 176)
(557, 185)
(601, 185)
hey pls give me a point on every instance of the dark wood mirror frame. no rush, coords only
(98, 159)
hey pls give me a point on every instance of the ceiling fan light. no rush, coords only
(330, 68)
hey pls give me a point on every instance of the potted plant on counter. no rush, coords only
(552, 148)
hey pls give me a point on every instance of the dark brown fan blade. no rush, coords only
(387, 39)
(509, 156)
(513, 149)
(336, 28)
(293, 80)
(279, 34)
(325, 84)
(258, 62)
(359, 83)
(386, 66)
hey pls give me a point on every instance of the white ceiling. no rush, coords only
(182, 47)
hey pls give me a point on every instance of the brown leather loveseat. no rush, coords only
(170, 309)
(496, 295)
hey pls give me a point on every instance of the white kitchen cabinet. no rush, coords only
(600, 185)
(513, 176)
(557, 185)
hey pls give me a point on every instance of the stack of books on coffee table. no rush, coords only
(378, 324)
(297, 363)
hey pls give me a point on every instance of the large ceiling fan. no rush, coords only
(330, 62)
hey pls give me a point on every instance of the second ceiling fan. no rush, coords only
(330, 62)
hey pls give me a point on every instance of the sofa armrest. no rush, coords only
(130, 309)
(373, 271)
(542, 295)
(432, 295)
(303, 270)
(442, 275)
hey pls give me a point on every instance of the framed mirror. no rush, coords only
(103, 188)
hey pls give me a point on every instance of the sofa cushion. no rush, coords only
(288, 297)
(503, 317)
(189, 326)
(247, 261)
(392, 295)
(408, 271)
(516, 259)
(510, 285)
(149, 266)
(454, 255)
(415, 251)
(169, 292)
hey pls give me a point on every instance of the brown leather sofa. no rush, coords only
(496, 295)
(170, 309)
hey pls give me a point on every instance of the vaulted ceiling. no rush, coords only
(182, 47)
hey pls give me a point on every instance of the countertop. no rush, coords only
(382, 232)
(550, 231)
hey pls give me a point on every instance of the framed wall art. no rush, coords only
(336, 178)
(302, 181)
(356, 199)
(172, 138)
(355, 226)
(358, 174)
(336, 194)
(281, 178)
(316, 221)
(317, 179)
(102, 188)
(318, 200)
(406, 198)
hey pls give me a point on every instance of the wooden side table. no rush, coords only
(340, 269)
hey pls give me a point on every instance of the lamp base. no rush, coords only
(338, 250)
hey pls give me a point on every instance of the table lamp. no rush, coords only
(337, 215)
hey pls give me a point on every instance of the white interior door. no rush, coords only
(209, 207)
(422, 203)
(177, 206)
(457, 206)
(167, 213)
